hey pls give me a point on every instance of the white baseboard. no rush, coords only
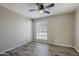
(62, 45)
(76, 49)
(55, 44)
(14, 47)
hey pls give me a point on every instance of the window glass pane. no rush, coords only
(41, 30)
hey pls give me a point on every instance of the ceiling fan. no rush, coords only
(41, 8)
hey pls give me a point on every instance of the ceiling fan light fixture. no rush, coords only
(41, 11)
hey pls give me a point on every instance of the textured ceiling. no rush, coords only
(22, 8)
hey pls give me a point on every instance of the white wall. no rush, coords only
(15, 29)
(77, 29)
(60, 29)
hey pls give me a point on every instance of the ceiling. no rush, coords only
(22, 8)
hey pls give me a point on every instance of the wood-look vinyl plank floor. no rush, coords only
(41, 49)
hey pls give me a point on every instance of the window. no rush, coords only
(41, 30)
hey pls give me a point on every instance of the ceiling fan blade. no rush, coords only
(51, 5)
(37, 4)
(40, 5)
(34, 10)
(46, 11)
